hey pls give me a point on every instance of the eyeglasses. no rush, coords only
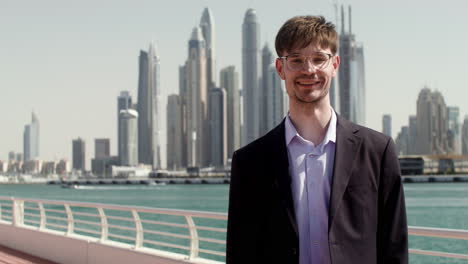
(297, 62)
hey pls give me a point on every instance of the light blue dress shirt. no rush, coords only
(311, 170)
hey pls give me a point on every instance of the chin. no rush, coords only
(311, 99)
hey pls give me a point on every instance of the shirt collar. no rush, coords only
(291, 131)
(331, 131)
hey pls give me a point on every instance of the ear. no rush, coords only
(280, 68)
(335, 64)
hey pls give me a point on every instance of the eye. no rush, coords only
(296, 59)
(319, 60)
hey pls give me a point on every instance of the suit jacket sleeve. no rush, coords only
(392, 231)
(235, 216)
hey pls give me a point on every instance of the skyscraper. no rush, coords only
(439, 131)
(453, 133)
(229, 80)
(218, 126)
(175, 150)
(27, 142)
(102, 147)
(151, 130)
(19, 157)
(431, 123)
(31, 139)
(402, 141)
(413, 134)
(465, 136)
(387, 125)
(351, 75)
(424, 124)
(267, 59)
(124, 102)
(78, 153)
(250, 77)
(102, 161)
(276, 98)
(129, 137)
(197, 135)
(183, 108)
(11, 156)
(333, 95)
(208, 31)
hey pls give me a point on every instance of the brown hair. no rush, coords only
(301, 31)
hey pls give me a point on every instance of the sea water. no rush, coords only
(439, 205)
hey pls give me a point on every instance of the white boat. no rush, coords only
(70, 186)
(153, 183)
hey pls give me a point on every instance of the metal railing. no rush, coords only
(186, 232)
(190, 233)
(440, 233)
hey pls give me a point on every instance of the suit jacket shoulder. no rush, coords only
(271, 141)
(369, 136)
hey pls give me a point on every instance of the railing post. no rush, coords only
(43, 219)
(138, 229)
(18, 212)
(70, 222)
(193, 237)
(104, 226)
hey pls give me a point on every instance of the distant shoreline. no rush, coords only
(214, 180)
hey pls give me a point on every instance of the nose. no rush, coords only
(309, 66)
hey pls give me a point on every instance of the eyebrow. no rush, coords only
(317, 52)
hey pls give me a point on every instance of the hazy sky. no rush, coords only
(69, 60)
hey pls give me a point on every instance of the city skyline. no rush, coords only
(76, 68)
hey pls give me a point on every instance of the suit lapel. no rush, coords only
(280, 171)
(347, 146)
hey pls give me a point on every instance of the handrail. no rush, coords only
(140, 227)
(134, 222)
(438, 232)
(177, 212)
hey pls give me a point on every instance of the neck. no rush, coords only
(311, 120)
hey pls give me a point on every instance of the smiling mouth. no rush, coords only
(309, 83)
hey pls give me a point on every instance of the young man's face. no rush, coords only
(309, 83)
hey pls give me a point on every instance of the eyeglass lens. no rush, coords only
(297, 62)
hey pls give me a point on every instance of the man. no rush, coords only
(317, 188)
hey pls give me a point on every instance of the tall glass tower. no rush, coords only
(175, 148)
(229, 80)
(128, 137)
(453, 132)
(196, 99)
(351, 75)
(250, 77)
(31, 139)
(267, 59)
(464, 140)
(387, 125)
(151, 144)
(218, 126)
(208, 31)
(79, 154)
(277, 100)
(124, 102)
(431, 116)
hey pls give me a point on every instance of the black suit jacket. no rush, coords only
(367, 217)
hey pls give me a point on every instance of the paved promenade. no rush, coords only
(10, 256)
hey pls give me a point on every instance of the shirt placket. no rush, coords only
(314, 184)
